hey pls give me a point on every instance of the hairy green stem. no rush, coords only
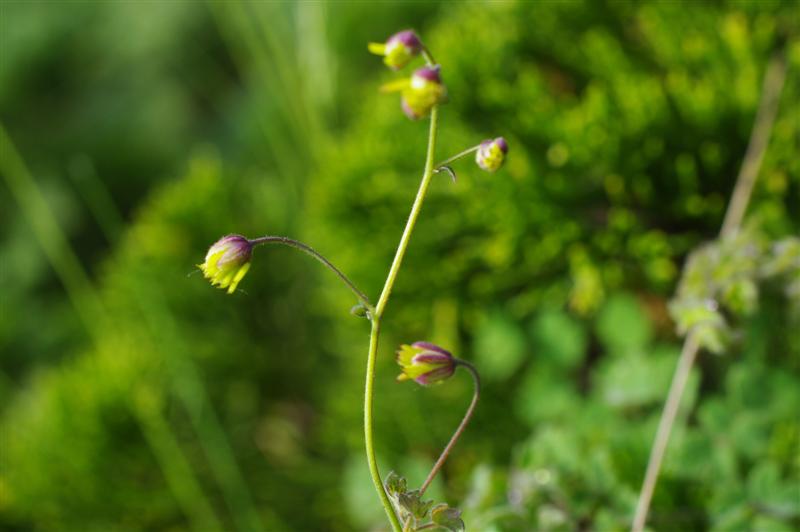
(460, 430)
(378, 314)
(318, 256)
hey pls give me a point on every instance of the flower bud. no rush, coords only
(491, 154)
(425, 363)
(398, 50)
(424, 90)
(227, 261)
(420, 92)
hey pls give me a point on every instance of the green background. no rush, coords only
(133, 396)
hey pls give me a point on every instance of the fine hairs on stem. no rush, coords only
(768, 108)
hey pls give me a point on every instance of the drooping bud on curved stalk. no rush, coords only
(420, 92)
(425, 363)
(491, 154)
(398, 49)
(227, 261)
(425, 91)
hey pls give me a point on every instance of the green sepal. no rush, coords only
(412, 503)
(395, 484)
(448, 518)
(377, 48)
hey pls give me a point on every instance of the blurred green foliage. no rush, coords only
(144, 399)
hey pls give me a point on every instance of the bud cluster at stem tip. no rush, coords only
(227, 261)
(425, 363)
(424, 89)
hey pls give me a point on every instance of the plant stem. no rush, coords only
(428, 56)
(767, 109)
(460, 430)
(676, 388)
(378, 314)
(457, 156)
(312, 252)
(369, 392)
(412, 218)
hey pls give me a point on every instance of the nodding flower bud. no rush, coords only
(398, 50)
(491, 154)
(227, 261)
(424, 91)
(420, 92)
(425, 363)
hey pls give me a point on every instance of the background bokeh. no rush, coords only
(133, 396)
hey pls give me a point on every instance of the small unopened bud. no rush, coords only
(425, 363)
(420, 92)
(398, 49)
(424, 90)
(491, 154)
(227, 261)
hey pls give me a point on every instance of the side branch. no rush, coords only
(457, 156)
(318, 256)
(463, 425)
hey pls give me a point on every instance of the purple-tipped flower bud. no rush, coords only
(424, 91)
(425, 363)
(491, 154)
(398, 50)
(420, 92)
(227, 261)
